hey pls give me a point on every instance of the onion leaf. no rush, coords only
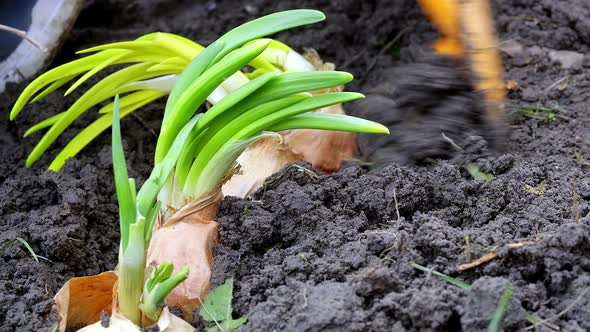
(96, 128)
(327, 121)
(195, 94)
(152, 186)
(124, 193)
(267, 25)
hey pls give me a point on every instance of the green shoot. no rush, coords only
(124, 191)
(327, 121)
(131, 272)
(267, 25)
(218, 308)
(132, 247)
(442, 276)
(160, 283)
(195, 94)
(137, 214)
(496, 323)
(101, 91)
(149, 191)
(96, 128)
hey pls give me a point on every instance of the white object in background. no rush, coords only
(51, 20)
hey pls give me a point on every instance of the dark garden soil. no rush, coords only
(316, 252)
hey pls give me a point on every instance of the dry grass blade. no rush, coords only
(26, 244)
(491, 256)
(534, 319)
(561, 313)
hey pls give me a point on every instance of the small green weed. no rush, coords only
(477, 173)
(218, 308)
